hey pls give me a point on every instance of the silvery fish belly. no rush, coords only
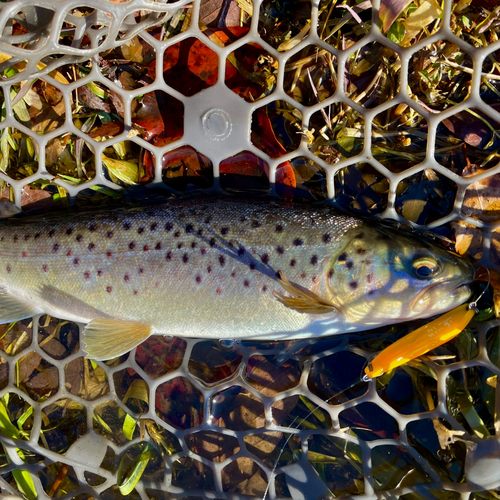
(221, 269)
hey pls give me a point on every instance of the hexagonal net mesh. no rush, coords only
(305, 99)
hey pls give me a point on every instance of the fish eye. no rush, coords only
(425, 266)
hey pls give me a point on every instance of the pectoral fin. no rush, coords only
(107, 338)
(12, 309)
(303, 300)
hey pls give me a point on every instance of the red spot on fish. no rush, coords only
(146, 248)
(136, 292)
(109, 254)
(109, 289)
(25, 254)
(203, 251)
(303, 275)
(157, 284)
(246, 283)
(9, 269)
(218, 291)
(86, 275)
(126, 278)
(69, 254)
(45, 267)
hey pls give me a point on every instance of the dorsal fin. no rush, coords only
(301, 299)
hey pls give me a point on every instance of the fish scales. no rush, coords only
(171, 262)
(202, 268)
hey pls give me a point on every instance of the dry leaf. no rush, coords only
(132, 50)
(469, 240)
(482, 198)
(428, 12)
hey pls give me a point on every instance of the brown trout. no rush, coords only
(221, 269)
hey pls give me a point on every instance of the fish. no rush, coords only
(222, 269)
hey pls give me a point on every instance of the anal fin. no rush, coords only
(12, 309)
(107, 338)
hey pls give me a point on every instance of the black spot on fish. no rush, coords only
(146, 248)
(233, 274)
(55, 248)
(369, 278)
(246, 283)
(140, 230)
(37, 235)
(189, 228)
(16, 237)
(298, 242)
(126, 226)
(177, 234)
(198, 279)
(168, 257)
(241, 251)
(264, 258)
(131, 245)
(126, 278)
(255, 223)
(86, 275)
(279, 228)
(52, 232)
(314, 260)
(278, 273)
(349, 264)
(252, 266)
(280, 249)
(26, 237)
(91, 246)
(154, 226)
(342, 257)
(168, 226)
(109, 289)
(76, 261)
(110, 234)
(222, 260)
(193, 244)
(158, 246)
(264, 288)
(208, 220)
(353, 285)
(136, 292)
(371, 292)
(360, 236)
(330, 274)
(180, 245)
(361, 251)
(140, 270)
(185, 258)
(243, 219)
(293, 262)
(8, 269)
(218, 291)
(327, 237)
(224, 230)
(99, 272)
(199, 232)
(69, 231)
(212, 242)
(203, 251)
(303, 275)
(92, 227)
(314, 279)
(209, 269)
(79, 238)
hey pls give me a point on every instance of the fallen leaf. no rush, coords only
(110, 129)
(469, 239)
(390, 10)
(482, 198)
(470, 128)
(426, 13)
(132, 50)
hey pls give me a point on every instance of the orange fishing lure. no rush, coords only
(422, 340)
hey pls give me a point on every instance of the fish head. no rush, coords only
(382, 276)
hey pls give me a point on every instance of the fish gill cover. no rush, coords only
(388, 108)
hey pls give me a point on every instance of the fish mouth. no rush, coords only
(427, 297)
